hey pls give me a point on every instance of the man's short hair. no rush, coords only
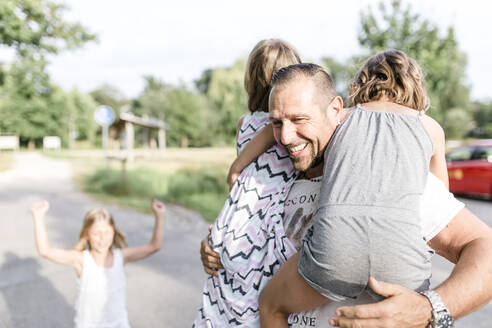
(323, 82)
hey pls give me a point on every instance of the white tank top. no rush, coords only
(101, 301)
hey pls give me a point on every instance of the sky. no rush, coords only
(177, 40)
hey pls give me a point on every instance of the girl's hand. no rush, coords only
(39, 209)
(158, 208)
(234, 173)
(232, 177)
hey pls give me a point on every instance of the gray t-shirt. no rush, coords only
(438, 208)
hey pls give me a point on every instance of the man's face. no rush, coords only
(299, 123)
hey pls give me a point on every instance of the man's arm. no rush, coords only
(467, 242)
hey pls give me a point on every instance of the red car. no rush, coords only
(470, 169)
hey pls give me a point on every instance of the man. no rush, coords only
(301, 128)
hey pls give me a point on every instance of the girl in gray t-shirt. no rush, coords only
(375, 168)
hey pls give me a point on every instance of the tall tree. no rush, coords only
(184, 109)
(224, 87)
(482, 114)
(341, 73)
(37, 26)
(396, 25)
(82, 122)
(108, 95)
(31, 105)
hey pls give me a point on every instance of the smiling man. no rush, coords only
(299, 123)
(304, 111)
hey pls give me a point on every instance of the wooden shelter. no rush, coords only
(123, 132)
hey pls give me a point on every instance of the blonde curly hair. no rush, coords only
(393, 76)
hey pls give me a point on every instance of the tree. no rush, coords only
(459, 122)
(31, 105)
(482, 115)
(153, 83)
(27, 91)
(108, 95)
(203, 82)
(37, 26)
(182, 108)
(82, 116)
(397, 26)
(341, 73)
(224, 88)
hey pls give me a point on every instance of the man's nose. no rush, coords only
(287, 133)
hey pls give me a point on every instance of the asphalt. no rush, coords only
(163, 290)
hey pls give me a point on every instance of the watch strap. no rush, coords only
(441, 317)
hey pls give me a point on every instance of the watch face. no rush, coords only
(444, 321)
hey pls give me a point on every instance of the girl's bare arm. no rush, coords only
(438, 160)
(132, 254)
(69, 257)
(257, 146)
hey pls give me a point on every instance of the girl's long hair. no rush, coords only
(99, 214)
(267, 57)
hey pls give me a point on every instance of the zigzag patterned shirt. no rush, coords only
(249, 235)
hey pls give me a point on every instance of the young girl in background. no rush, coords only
(248, 233)
(98, 260)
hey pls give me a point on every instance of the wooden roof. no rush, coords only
(149, 122)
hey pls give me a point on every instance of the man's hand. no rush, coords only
(210, 259)
(403, 308)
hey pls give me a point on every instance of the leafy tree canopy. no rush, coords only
(37, 26)
(398, 26)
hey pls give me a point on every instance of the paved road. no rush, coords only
(163, 290)
(441, 268)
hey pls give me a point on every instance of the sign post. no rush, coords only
(104, 116)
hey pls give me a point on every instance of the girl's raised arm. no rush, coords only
(438, 160)
(72, 258)
(257, 146)
(131, 254)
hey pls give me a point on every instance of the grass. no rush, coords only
(202, 190)
(6, 160)
(194, 178)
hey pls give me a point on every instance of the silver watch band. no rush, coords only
(441, 317)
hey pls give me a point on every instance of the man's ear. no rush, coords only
(337, 104)
(335, 108)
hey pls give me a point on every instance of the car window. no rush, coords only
(460, 154)
(483, 153)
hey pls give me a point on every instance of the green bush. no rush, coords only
(202, 190)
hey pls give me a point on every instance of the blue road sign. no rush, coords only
(104, 115)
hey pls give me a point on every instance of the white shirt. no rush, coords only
(438, 208)
(101, 302)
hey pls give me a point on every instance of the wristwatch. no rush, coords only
(441, 318)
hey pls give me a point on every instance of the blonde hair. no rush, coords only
(99, 214)
(390, 75)
(267, 57)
